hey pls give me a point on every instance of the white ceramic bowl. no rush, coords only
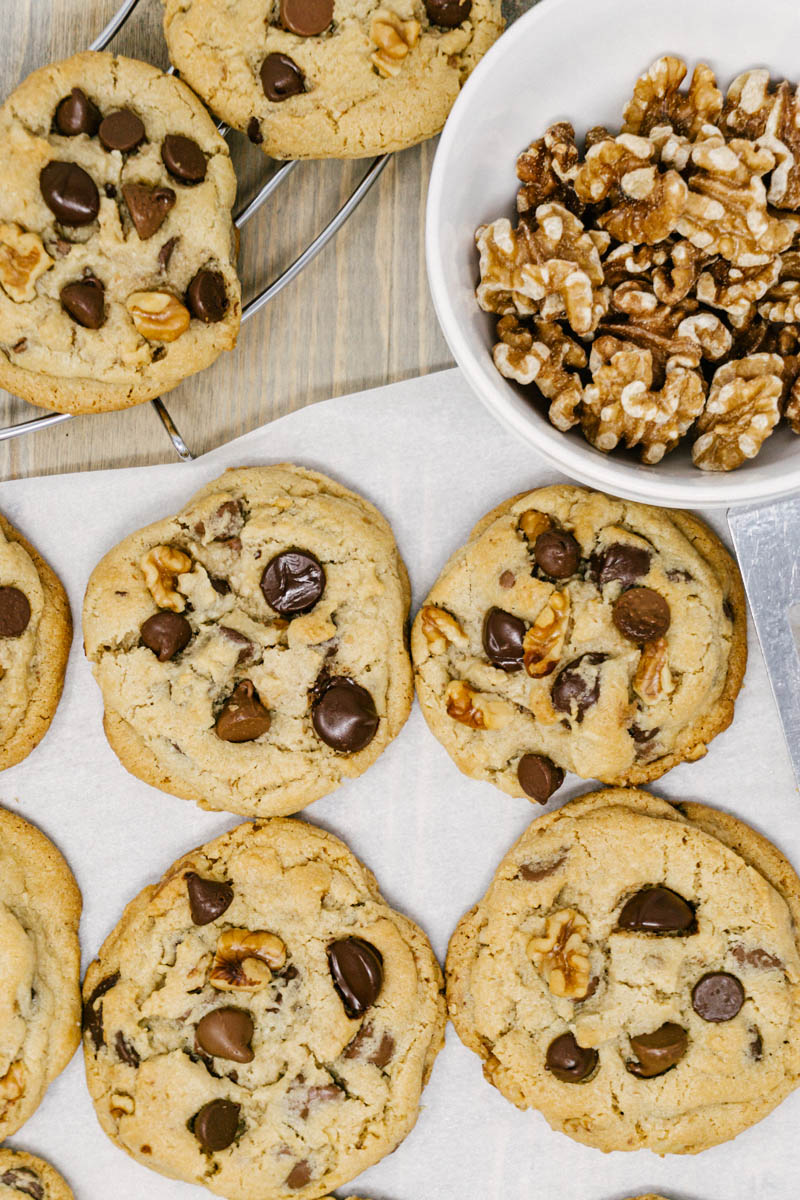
(578, 60)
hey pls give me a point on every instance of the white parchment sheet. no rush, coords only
(433, 461)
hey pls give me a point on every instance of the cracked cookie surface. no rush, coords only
(35, 637)
(575, 631)
(250, 650)
(117, 249)
(40, 908)
(343, 79)
(682, 1028)
(261, 1022)
(24, 1174)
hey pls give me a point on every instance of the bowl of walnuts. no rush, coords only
(613, 244)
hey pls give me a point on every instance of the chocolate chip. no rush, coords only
(183, 158)
(762, 960)
(254, 131)
(618, 561)
(557, 553)
(641, 615)
(110, 191)
(19, 346)
(22, 1179)
(539, 777)
(247, 649)
(380, 1054)
(85, 301)
(717, 997)
(448, 13)
(208, 898)
(657, 910)
(92, 1020)
(658, 1051)
(678, 575)
(640, 736)
(356, 968)
(757, 1044)
(148, 207)
(243, 717)
(226, 1033)
(121, 130)
(15, 612)
(220, 586)
(166, 634)
(344, 715)
(216, 1124)
(299, 1176)
(306, 17)
(69, 193)
(206, 296)
(76, 114)
(125, 1051)
(533, 872)
(281, 77)
(568, 1061)
(292, 582)
(503, 634)
(507, 580)
(577, 686)
(165, 253)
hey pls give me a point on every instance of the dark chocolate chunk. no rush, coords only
(226, 1033)
(76, 114)
(641, 615)
(206, 296)
(577, 686)
(216, 1124)
(756, 957)
(166, 634)
(148, 207)
(568, 1061)
(15, 612)
(343, 714)
(243, 717)
(121, 130)
(85, 301)
(717, 997)
(618, 561)
(254, 131)
(183, 158)
(92, 1020)
(125, 1051)
(307, 18)
(557, 553)
(657, 910)
(292, 582)
(356, 968)
(533, 872)
(658, 1051)
(165, 253)
(281, 77)
(23, 1179)
(539, 777)
(448, 13)
(299, 1176)
(208, 898)
(503, 635)
(69, 193)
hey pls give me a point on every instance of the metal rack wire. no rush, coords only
(241, 218)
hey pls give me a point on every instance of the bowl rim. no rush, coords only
(582, 463)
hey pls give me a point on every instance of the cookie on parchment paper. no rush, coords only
(26, 1175)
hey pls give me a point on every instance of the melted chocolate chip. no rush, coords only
(539, 777)
(299, 1176)
(757, 1044)
(226, 1033)
(657, 910)
(207, 297)
(641, 615)
(556, 553)
(507, 580)
(618, 561)
(148, 207)
(717, 997)
(121, 130)
(166, 634)
(216, 1124)
(15, 612)
(678, 575)
(381, 1051)
(568, 1061)
(76, 114)
(85, 301)
(125, 1051)
(641, 736)
(247, 649)
(92, 1021)
(69, 193)
(281, 77)
(22, 1179)
(243, 717)
(165, 253)
(448, 13)
(356, 968)
(503, 636)
(533, 872)
(183, 158)
(208, 898)
(577, 686)
(292, 582)
(344, 715)
(762, 960)
(254, 131)
(307, 18)
(658, 1051)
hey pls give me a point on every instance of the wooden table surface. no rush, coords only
(359, 316)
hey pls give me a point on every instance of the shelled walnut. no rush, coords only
(562, 954)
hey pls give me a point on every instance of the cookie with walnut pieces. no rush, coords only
(117, 247)
(579, 632)
(40, 907)
(330, 78)
(35, 638)
(23, 1175)
(633, 972)
(250, 650)
(281, 1044)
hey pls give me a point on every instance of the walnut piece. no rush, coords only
(23, 260)
(245, 961)
(742, 410)
(394, 38)
(121, 1105)
(441, 629)
(657, 99)
(562, 954)
(158, 316)
(782, 302)
(476, 709)
(747, 105)
(543, 643)
(647, 203)
(546, 167)
(541, 356)
(653, 678)
(160, 567)
(736, 290)
(532, 522)
(782, 137)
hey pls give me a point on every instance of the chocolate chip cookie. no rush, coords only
(579, 632)
(633, 972)
(35, 637)
(24, 1175)
(325, 79)
(117, 247)
(40, 907)
(261, 1021)
(250, 650)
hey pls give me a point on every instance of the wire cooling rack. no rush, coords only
(241, 218)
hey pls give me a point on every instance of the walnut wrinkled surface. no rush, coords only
(657, 99)
(160, 567)
(245, 961)
(476, 709)
(562, 954)
(394, 39)
(441, 629)
(742, 410)
(23, 260)
(653, 678)
(544, 640)
(542, 355)
(158, 316)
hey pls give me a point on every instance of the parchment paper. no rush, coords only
(434, 462)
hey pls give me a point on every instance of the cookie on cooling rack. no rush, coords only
(117, 246)
(330, 78)
(633, 972)
(250, 650)
(40, 907)
(579, 632)
(282, 1047)
(24, 1175)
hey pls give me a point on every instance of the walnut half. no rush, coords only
(23, 259)
(476, 709)
(244, 961)
(160, 567)
(543, 643)
(562, 954)
(394, 38)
